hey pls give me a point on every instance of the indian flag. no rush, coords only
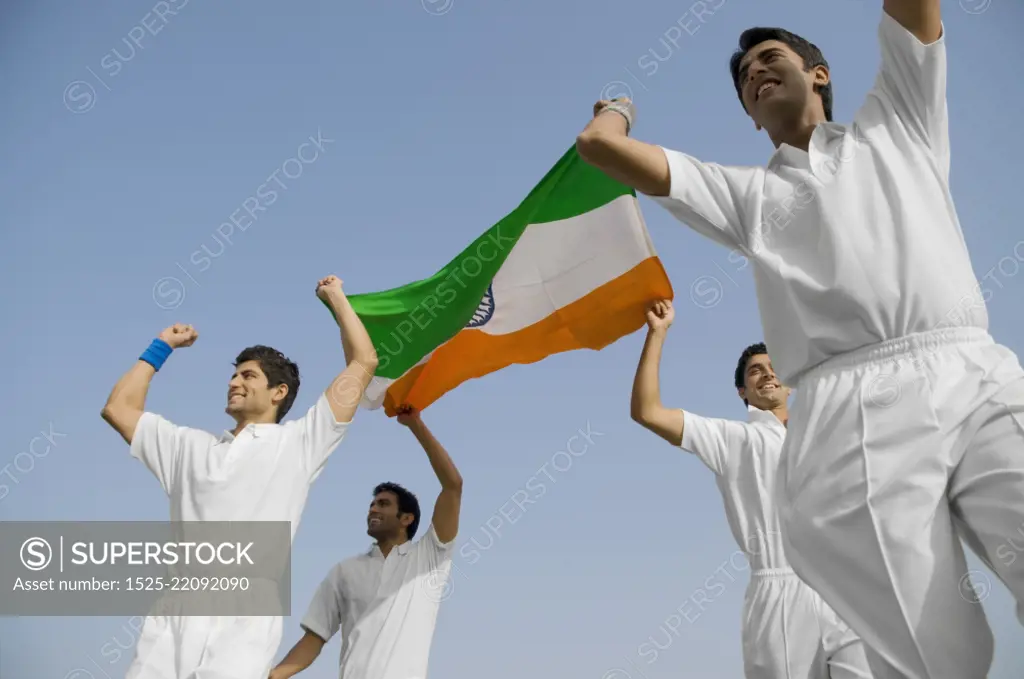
(572, 267)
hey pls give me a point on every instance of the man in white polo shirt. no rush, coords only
(260, 471)
(385, 601)
(788, 631)
(907, 427)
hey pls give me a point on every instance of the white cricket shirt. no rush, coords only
(744, 457)
(385, 608)
(263, 474)
(856, 241)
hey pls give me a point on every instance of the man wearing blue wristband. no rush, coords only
(260, 471)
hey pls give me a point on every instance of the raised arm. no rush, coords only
(646, 408)
(910, 91)
(449, 502)
(923, 18)
(605, 144)
(711, 199)
(347, 389)
(715, 441)
(127, 401)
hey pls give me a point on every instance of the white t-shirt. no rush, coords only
(263, 474)
(857, 241)
(745, 458)
(385, 608)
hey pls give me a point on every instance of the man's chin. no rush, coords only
(776, 112)
(770, 400)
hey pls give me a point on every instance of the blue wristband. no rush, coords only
(156, 354)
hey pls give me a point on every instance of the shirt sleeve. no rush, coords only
(912, 79)
(439, 551)
(320, 434)
(711, 199)
(323, 617)
(162, 446)
(715, 441)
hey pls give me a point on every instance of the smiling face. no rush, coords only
(384, 521)
(249, 395)
(762, 388)
(775, 88)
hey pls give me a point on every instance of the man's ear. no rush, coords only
(821, 76)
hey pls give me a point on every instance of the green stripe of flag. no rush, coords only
(409, 322)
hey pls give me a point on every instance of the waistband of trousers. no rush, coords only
(908, 345)
(769, 573)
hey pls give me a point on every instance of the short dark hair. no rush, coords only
(407, 504)
(278, 369)
(806, 50)
(741, 367)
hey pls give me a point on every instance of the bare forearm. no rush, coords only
(131, 390)
(355, 341)
(447, 473)
(646, 407)
(290, 666)
(605, 145)
(608, 123)
(646, 389)
(923, 18)
(127, 401)
(302, 655)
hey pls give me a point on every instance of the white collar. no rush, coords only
(765, 416)
(820, 138)
(256, 429)
(402, 549)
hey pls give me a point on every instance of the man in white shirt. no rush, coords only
(788, 631)
(385, 601)
(907, 427)
(260, 471)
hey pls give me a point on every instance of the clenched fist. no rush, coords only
(179, 335)
(660, 316)
(603, 103)
(328, 286)
(407, 416)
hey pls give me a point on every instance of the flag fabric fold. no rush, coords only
(572, 267)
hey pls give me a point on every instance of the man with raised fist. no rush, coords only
(260, 471)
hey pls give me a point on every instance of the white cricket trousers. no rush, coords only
(178, 647)
(892, 453)
(790, 633)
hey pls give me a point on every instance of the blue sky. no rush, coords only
(441, 117)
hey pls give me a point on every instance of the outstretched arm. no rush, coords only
(714, 441)
(923, 18)
(711, 199)
(911, 83)
(605, 144)
(347, 389)
(321, 622)
(449, 501)
(303, 653)
(645, 406)
(127, 401)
